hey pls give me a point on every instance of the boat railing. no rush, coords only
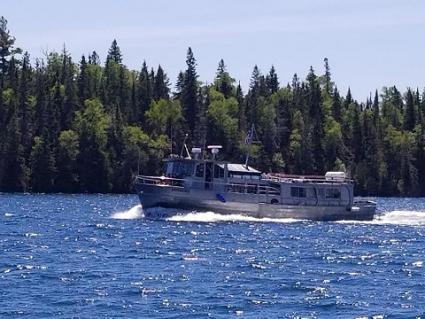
(161, 181)
(180, 184)
(279, 177)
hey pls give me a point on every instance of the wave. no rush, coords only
(135, 212)
(396, 217)
(211, 217)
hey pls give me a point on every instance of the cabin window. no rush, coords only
(243, 176)
(332, 193)
(218, 172)
(199, 170)
(298, 192)
(168, 169)
(179, 169)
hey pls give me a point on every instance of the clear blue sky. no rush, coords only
(369, 43)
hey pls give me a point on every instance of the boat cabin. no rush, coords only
(238, 179)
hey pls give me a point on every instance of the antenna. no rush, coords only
(171, 139)
(184, 144)
(248, 142)
(184, 147)
(138, 162)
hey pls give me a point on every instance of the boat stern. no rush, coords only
(363, 210)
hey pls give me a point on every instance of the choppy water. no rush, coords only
(94, 256)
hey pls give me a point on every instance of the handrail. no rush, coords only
(159, 177)
(278, 177)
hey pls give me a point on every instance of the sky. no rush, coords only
(369, 43)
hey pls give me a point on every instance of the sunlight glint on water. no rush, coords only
(98, 256)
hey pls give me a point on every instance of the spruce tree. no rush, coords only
(336, 105)
(83, 81)
(242, 124)
(409, 112)
(93, 162)
(70, 102)
(223, 81)
(161, 85)
(272, 81)
(145, 93)
(7, 49)
(114, 53)
(189, 97)
(317, 117)
(328, 83)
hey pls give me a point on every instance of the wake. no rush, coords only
(211, 217)
(396, 217)
(135, 212)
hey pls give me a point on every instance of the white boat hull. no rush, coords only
(252, 205)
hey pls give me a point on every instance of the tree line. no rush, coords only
(88, 126)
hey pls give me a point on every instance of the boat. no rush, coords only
(203, 183)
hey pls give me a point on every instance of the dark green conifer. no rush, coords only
(7, 49)
(161, 85)
(114, 53)
(272, 81)
(189, 95)
(409, 112)
(145, 93)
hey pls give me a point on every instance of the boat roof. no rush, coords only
(240, 168)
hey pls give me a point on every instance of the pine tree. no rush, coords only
(284, 123)
(161, 85)
(70, 102)
(189, 97)
(43, 168)
(67, 180)
(348, 99)
(375, 107)
(336, 105)
(317, 117)
(409, 112)
(94, 58)
(114, 53)
(328, 83)
(6, 49)
(83, 81)
(93, 163)
(223, 81)
(145, 93)
(42, 96)
(272, 81)
(253, 96)
(242, 124)
(25, 109)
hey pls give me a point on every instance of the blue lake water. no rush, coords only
(95, 256)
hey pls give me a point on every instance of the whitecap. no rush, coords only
(31, 234)
(135, 212)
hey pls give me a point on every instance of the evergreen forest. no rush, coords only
(90, 125)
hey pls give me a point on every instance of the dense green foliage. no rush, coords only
(88, 127)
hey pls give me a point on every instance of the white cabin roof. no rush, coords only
(239, 168)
